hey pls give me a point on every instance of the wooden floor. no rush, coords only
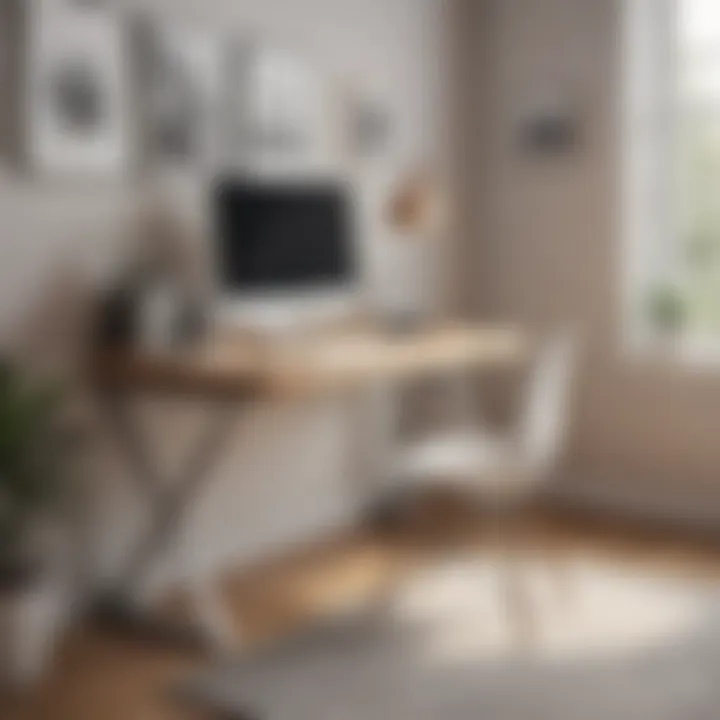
(99, 677)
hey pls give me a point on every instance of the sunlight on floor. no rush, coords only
(581, 610)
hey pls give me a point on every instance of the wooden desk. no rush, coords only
(237, 373)
(323, 363)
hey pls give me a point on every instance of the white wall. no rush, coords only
(288, 460)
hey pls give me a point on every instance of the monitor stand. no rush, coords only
(286, 314)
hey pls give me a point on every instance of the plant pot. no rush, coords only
(28, 622)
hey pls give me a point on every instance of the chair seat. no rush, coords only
(470, 455)
(508, 465)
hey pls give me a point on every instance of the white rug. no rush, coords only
(610, 646)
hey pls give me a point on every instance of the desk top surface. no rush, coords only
(346, 359)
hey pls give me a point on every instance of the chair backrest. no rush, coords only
(544, 419)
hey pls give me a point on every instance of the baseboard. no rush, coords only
(681, 505)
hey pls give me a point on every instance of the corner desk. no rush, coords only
(236, 372)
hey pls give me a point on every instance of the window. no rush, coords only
(672, 168)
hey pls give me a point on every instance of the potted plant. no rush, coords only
(31, 482)
(667, 309)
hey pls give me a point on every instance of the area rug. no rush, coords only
(609, 644)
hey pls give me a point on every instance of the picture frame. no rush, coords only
(76, 91)
(282, 117)
(179, 79)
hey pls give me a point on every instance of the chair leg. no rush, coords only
(561, 577)
(515, 590)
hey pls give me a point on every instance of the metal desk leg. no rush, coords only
(169, 504)
(378, 420)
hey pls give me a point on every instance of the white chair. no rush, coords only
(505, 470)
(507, 466)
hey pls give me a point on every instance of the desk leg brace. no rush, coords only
(169, 506)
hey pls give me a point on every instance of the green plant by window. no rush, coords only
(667, 308)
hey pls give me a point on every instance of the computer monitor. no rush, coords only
(283, 250)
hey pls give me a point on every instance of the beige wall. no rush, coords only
(546, 243)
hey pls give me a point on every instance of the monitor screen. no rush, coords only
(283, 237)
